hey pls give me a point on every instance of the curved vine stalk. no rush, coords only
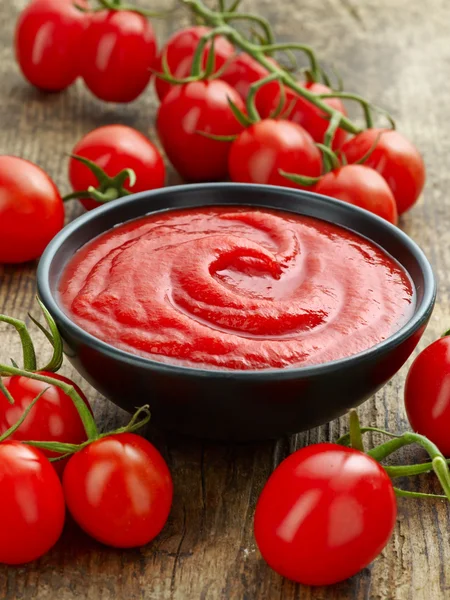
(219, 21)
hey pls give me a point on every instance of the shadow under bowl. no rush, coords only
(236, 405)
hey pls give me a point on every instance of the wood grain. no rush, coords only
(396, 53)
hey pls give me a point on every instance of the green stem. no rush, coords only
(331, 130)
(344, 440)
(67, 449)
(85, 414)
(263, 23)
(53, 337)
(28, 352)
(384, 450)
(216, 20)
(5, 435)
(356, 440)
(329, 157)
(314, 69)
(252, 111)
(405, 494)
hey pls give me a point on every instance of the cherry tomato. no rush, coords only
(361, 186)
(31, 504)
(302, 112)
(118, 51)
(427, 394)
(244, 70)
(54, 417)
(31, 210)
(267, 147)
(201, 106)
(47, 42)
(115, 148)
(119, 490)
(395, 158)
(179, 51)
(325, 513)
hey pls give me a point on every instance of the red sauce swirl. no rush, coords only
(236, 288)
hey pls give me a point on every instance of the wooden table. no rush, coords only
(397, 54)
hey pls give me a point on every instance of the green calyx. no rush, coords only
(439, 464)
(109, 188)
(28, 351)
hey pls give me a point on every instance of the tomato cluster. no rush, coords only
(218, 118)
(117, 487)
(113, 51)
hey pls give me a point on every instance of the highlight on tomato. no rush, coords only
(31, 210)
(111, 162)
(395, 158)
(179, 52)
(324, 514)
(188, 114)
(47, 43)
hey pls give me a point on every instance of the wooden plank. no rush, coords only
(391, 52)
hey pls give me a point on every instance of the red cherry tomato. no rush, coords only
(244, 70)
(325, 513)
(201, 106)
(179, 51)
(361, 186)
(427, 394)
(31, 210)
(267, 147)
(31, 504)
(54, 417)
(115, 148)
(47, 43)
(119, 490)
(395, 158)
(302, 112)
(118, 52)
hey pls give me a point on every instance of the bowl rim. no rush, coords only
(421, 313)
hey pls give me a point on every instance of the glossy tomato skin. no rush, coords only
(179, 51)
(119, 490)
(325, 513)
(32, 508)
(47, 43)
(186, 110)
(427, 394)
(54, 417)
(243, 71)
(302, 112)
(361, 186)
(260, 151)
(31, 210)
(118, 52)
(396, 159)
(114, 148)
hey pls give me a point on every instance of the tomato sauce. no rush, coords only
(236, 288)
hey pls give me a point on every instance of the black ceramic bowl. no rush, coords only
(241, 405)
